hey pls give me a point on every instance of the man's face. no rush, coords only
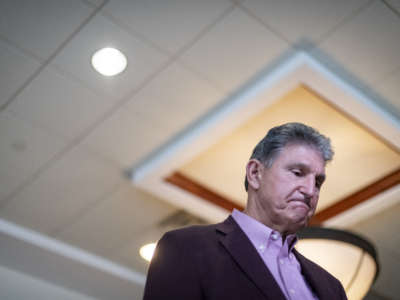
(288, 191)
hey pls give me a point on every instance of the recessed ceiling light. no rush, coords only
(109, 61)
(147, 251)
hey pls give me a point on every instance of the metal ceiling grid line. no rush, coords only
(23, 50)
(204, 31)
(120, 103)
(83, 212)
(267, 26)
(345, 20)
(391, 7)
(135, 34)
(52, 56)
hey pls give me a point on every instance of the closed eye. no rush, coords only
(297, 173)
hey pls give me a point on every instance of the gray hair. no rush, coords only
(290, 133)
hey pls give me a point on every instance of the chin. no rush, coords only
(299, 224)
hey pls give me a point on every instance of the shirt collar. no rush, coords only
(259, 233)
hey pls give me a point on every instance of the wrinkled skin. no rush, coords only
(285, 195)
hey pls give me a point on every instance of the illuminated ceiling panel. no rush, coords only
(365, 136)
(361, 157)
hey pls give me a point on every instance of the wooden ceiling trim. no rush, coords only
(187, 184)
(383, 184)
(358, 197)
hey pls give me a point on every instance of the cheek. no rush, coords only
(280, 197)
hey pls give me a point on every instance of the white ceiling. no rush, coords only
(69, 136)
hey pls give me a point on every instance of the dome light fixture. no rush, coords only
(348, 257)
(147, 251)
(109, 61)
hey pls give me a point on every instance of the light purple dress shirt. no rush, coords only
(278, 257)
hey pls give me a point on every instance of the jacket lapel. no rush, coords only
(315, 278)
(246, 256)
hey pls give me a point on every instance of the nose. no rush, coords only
(308, 186)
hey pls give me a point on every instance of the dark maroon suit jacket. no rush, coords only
(219, 262)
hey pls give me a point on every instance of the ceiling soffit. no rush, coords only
(332, 105)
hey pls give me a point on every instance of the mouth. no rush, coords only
(301, 203)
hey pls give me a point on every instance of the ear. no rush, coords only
(253, 173)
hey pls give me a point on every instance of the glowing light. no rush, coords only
(109, 61)
(147, 251)
(348, 257)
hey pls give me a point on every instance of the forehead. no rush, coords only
(301, 154)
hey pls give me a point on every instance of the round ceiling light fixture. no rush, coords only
(109, 61)
(147, 251)
(348, 257)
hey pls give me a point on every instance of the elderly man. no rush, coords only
(251, 254)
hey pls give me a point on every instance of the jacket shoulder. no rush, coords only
(192, 233)
(193, 229)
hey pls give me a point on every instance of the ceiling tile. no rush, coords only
(58, 195)
(116, 220)
(174, 99)
(170, 24)
(368, 46)
(309, 19)
(390, 89)
(395, 4)
(60, 104)
(18, 68)
(41, 26)
(127, 137)
(24, 148)
(234, 50)
(95, 2)
(99, 33)
(166, 105)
